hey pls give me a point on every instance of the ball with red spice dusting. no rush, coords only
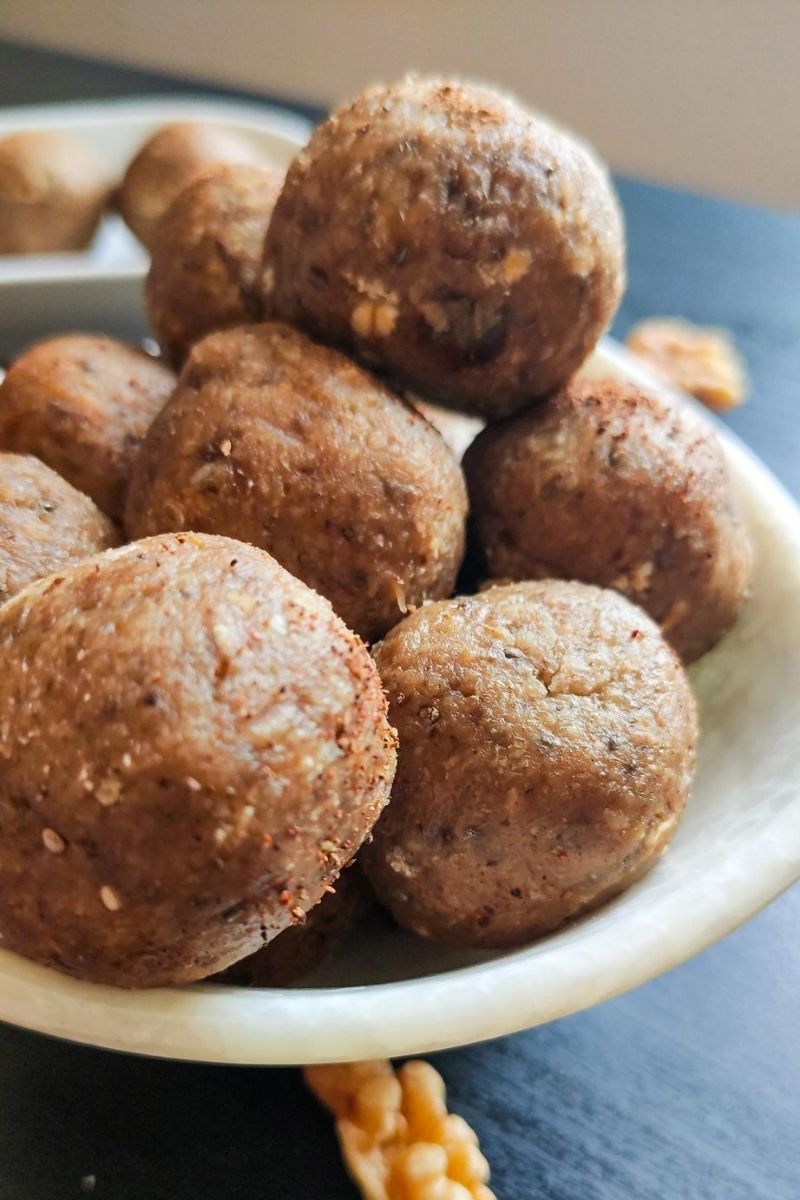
(193, 746)
(287, 444)
(443, 233)
(607, 483)
(547, 744)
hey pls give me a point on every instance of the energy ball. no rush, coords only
(547, 744)
(174, 156)
(606, 483)
(300, 948)
(446, 235)
(205, 256)
(46, 524)
(53, 190)
(82, 403)
(288, 445)
(193, 746)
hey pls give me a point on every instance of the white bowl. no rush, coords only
(392, 994)
(101, 286)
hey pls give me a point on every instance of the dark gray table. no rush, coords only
(687, 1089)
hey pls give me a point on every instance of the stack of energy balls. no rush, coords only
(195, 739)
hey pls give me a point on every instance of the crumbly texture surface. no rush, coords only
(53, 189)
(169, 160)
(703, 362)
(205, 256)
(82, 403)
(398, 1140)
(606, 483)
(164, 818)
(288, 445)
(45, 523)
(547, 745)
(302, 947)
(443, 233)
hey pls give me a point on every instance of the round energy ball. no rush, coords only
(606, 483)
(193, 746)
(172, 157)
(205, 256)
(441, 232)
(45, 523)
(82, 404)
(53, 190)
(273, 439)
(547, 744)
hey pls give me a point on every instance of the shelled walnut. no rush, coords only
(397, 1138)
(703, 362)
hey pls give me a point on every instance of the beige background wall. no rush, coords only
(704, 93)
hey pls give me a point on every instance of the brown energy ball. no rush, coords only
(205, 256)
(45, 523)
(288, 445)
(300, 948)
(82, 403)
(547, 743)
(193, 746)
(606, 483)
(52, 192)
(440, 231)
(171, 158)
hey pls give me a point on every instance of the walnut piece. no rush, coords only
(397, 1138)
(703, 362)
(371, 319)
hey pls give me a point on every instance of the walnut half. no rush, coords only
(397, 1138)
(703, 362)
